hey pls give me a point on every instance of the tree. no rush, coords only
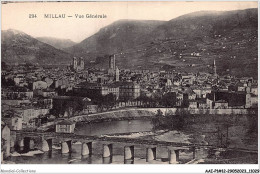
(3, 65)
(157, 121)
(177, 120)
(169, 99)
(7, 82)
(170, 121)
(98, 99)
(145, 100)
(156, 99)
(252, 117)
(109, 101)
(70, 105)
(22, 96)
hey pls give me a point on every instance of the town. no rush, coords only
(33, 95)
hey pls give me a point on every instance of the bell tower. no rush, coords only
(112, 62)
(117, 74)
(75, 63)
(81, 63)
(215, 69)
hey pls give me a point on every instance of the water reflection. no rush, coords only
(113, 127)
(55, 156)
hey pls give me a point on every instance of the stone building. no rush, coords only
(113, 70)
(65, 126)
(78, 64)
(128, 90)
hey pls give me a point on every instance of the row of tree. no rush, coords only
(74, 105)
(106, 102)
(170, 120)
(167, 100)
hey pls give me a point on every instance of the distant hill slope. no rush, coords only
(57, 43)
(116, 37)
(20, 47)
(229, 37)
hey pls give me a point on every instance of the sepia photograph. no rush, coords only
(129, 83)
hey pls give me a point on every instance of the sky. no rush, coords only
(16, 15)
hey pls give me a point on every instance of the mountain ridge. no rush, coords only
(57, 42)
(18, 47)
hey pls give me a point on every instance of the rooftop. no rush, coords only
(66, 122)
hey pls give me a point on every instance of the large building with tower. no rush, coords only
(112, 62)
(113, 70)
(78, 64)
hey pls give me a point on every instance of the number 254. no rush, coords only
(32, 16)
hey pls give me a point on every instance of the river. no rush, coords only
(114, 127)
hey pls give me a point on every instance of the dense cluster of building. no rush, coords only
(33, 95)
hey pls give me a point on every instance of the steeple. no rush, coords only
(215, 68)
(117, 74)
(112, 62)
(75, 63)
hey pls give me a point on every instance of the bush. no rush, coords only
(169, 121)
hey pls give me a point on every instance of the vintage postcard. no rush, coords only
(129, 83)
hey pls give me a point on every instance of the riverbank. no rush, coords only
(234, 131)
(142, 113)
(99, 120)
(204, 156)
(114, 115)
(117, 115)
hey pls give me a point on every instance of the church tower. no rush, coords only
(75, 63)
(112, 65)
(117, 74)
(81, 63)
(215, 69)
(112, 62)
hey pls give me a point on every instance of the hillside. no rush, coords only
(229, 37)
(18, 47)
(116, 37)
(57, 43)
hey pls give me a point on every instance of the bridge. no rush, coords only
(44, 141)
